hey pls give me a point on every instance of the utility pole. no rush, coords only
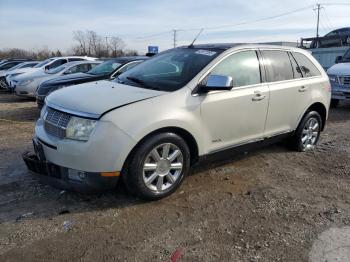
(174, 37)
(318, 19)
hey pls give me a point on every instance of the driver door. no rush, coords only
(238, 116)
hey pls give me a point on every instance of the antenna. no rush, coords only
(194, 40)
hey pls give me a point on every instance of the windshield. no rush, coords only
(170, 70)
(105, 68)
(17, 66)
(43, 63)
(57, 69)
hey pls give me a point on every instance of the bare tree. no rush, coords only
(117, 45)
(81, 48)
(92, 44)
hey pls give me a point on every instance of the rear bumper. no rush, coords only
(59, 177)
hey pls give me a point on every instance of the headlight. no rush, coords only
(333, 78)
(80, 128)
(25, 82)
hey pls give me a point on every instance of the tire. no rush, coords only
(334, 103)
(304, 131)
(152, 176)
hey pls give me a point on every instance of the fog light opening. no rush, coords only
(76, 175)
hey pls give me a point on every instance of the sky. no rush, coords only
(34, 24)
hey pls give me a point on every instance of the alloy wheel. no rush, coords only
(162, 167)
(310, 133)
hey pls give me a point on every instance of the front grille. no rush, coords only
(3, 83)
(344, 80)
(56, 122)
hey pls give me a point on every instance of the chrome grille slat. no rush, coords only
(344, 80)
(56, 122)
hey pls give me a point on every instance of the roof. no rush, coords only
(82, 62)
(226, 46)
(222, 46)
(124, 59)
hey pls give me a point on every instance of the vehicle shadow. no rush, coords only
(8, 97)
(341, 113)
(44, 201)
(22, 114)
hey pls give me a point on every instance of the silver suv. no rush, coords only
(162, 116)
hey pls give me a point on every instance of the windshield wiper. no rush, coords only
(142, 83)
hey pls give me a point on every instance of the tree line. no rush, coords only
(86, 43)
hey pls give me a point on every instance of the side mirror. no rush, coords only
(47, 68)
(338, 59)
(218, 83)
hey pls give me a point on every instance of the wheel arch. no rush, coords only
(319, 108)
(183, 133)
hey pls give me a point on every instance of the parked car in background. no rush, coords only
(3, 73)
(44, 65)
(339, 75)
(10, 63)
(336, 38)
(149, 125)
(107, 70)
(28, 83)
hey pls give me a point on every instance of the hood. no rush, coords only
(31, 75)
(25, 70)
(95, 98)
(60, 80)
(339, 69)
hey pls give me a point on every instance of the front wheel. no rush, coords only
(308, 132)
(157, 166)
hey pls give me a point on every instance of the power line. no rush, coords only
(222, 26)
(253, 21)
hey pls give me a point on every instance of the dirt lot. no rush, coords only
(266, 205)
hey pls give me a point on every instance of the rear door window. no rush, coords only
(75, 59)
(296, 69)
(57, 63)
(278, 65)
(243, 67)
(306, 66)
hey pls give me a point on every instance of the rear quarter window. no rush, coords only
(278, 65)
(307, 67)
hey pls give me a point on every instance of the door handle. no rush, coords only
(302, 89)
(258, 96)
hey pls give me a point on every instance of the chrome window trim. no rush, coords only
(126, 64)
(74, 112)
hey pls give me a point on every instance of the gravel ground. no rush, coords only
(271, 204)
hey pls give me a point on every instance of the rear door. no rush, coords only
(289, 94)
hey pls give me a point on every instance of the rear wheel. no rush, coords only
(308, 132)
(158, 166)
(334, 103)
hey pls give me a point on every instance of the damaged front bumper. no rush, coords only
(66, 178)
